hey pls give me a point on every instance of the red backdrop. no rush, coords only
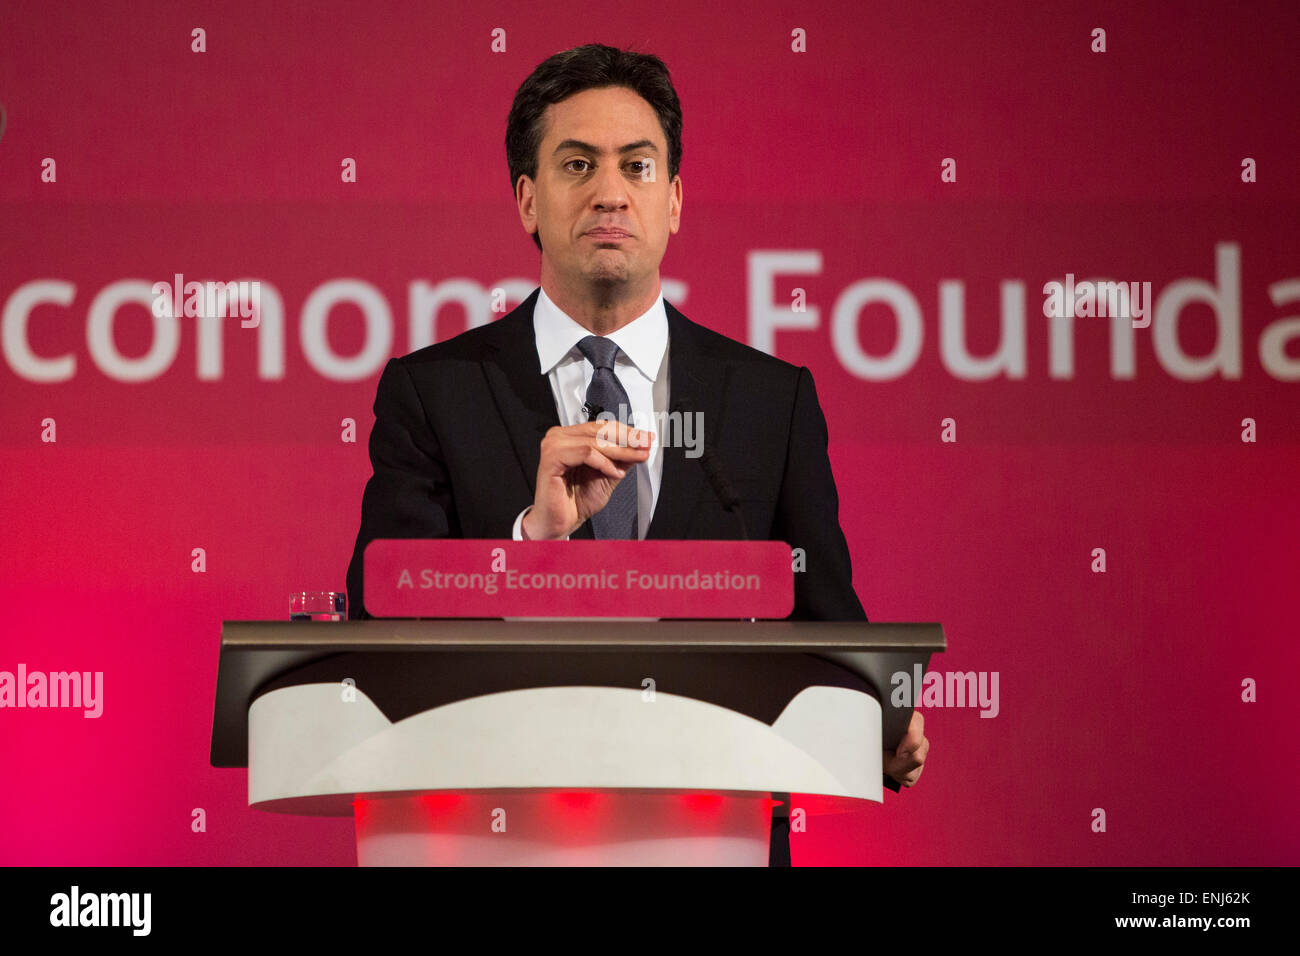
(1119, 690)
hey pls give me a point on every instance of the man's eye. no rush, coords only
(572, 161)
(641, 164)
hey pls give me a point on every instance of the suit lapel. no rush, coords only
(696, 386)
(521, 392)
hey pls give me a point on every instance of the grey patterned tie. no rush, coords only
(618, 519)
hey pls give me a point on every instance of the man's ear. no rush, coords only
(526, 200)
(675, 205)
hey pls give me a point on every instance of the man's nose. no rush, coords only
(611, 189)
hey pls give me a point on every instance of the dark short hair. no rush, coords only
(583, 68)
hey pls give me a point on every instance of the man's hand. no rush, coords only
(904, 763)
(580, 466)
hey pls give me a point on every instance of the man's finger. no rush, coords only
(612, 430)
(594, 459)
(566, 454)
(902, 760)
(621, 452)
(624, 437)
(913, 756)
(906, 766)
(567, 457)
(614, 449)
(915, 732)
(901, 764)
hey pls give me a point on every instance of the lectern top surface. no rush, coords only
(254, 653)
(409, 634)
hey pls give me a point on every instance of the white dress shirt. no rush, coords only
(641, 367)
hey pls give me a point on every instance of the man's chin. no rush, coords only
(607, 271)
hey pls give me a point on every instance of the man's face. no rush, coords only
(602, 202)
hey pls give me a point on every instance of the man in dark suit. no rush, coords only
(461, 427)
(491, 434)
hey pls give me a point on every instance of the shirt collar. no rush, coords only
(643, 340)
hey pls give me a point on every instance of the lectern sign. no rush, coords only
(630, 579)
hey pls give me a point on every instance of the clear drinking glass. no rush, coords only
(318, 606)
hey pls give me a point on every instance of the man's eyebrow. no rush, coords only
(587, 147)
